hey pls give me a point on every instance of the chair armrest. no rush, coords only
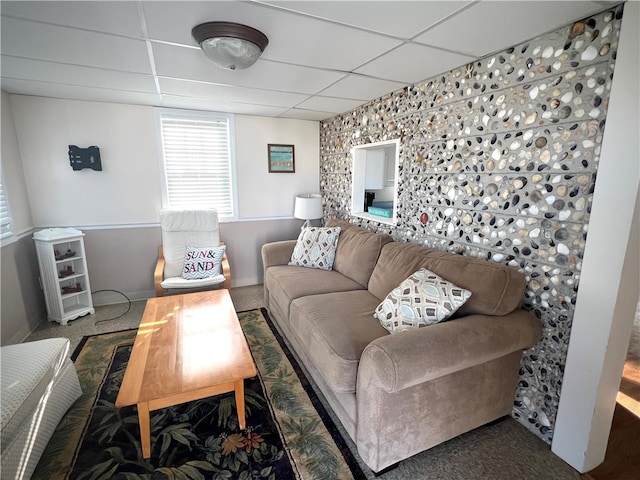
(277, 253)
(226, 270)
(158, 274)
(405, 359)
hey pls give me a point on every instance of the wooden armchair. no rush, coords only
(182, 229)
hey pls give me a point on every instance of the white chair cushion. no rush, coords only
(182, 228)
(179, 282)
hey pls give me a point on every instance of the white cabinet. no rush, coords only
(380, 168)
(63, 273)
(376, 170)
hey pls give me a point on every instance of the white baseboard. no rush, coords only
(22, 334)
(244, 282)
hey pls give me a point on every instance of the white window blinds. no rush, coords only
(5, 214)
(198, 160)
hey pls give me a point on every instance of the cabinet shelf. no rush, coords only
(71, 277)
(69, 259)
(72, 294)
(62, 307)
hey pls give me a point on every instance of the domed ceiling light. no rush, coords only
(230, 45)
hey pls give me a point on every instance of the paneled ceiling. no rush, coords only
(323, 57)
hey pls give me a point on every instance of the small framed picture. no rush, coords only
(281, 158)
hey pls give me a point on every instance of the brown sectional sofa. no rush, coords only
(400, 394)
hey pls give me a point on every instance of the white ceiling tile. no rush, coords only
(74, 92)
(78, 47)
(26, 69)
(325, 45)
(329, 104)
(171, 101)
(402, 19)
(211, 91)
(180, 62)
(489, 26)
(357, 87)
(112, 17)
(173, 21)
(301, 114)
(54, 48)
(411, 63)
(296, 39)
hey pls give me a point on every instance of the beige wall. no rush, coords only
(21, 301)
(123, 259)
(12, 171)
(128, 189)
(118, 207)
(22, 305)
(263, 194)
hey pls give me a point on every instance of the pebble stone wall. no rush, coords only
(502, 155)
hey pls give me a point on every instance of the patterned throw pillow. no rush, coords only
(422, 299)
(316, 247)
(202, 262)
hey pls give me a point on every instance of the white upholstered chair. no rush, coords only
(182, 229)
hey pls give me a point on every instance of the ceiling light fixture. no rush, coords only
(230, 45)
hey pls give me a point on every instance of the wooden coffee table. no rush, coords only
(187, 347)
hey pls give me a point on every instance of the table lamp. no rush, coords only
(308, 206)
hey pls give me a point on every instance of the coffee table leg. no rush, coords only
(145, 429)
(239, 389)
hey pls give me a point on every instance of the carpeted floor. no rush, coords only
(287, 435)
(503, 451)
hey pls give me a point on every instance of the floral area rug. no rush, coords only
(288, 436)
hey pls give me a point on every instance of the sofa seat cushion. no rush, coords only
(334, 329)
(286, 283)
(28, 369)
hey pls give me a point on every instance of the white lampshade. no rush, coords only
(308, 206)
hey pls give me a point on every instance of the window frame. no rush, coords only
(4, 198)
(203, 116)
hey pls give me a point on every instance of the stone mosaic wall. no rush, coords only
(502, 155)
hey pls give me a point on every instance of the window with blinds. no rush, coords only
(198, 161)
(5, 214)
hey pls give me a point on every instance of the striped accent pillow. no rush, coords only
(202, 262)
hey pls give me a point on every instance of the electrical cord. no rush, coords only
(119, 316)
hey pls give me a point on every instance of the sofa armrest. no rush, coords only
(406, 359)
(277, 253)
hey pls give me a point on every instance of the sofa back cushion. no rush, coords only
(358, 250)
(496, 289)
